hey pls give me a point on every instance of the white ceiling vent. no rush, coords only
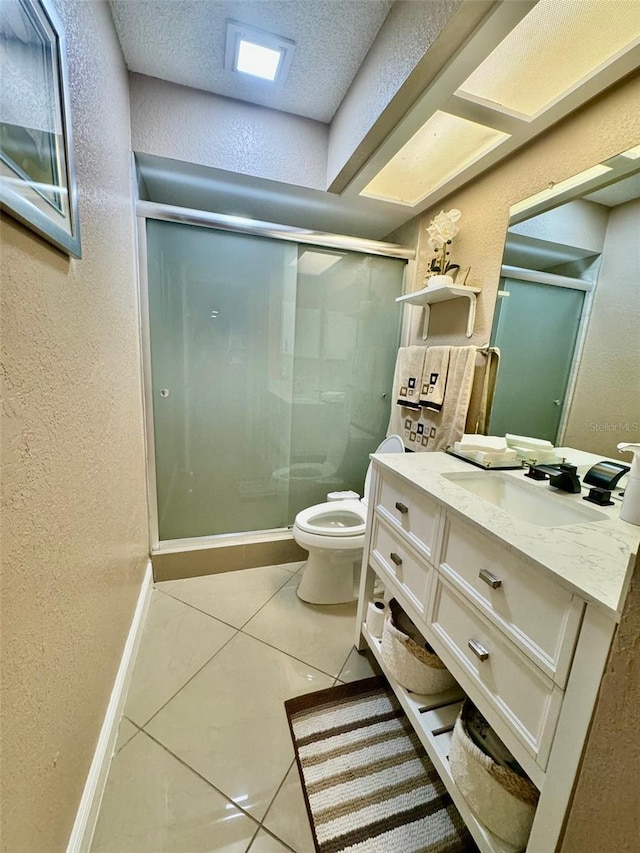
(257, 54)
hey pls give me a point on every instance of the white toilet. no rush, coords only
(333, 534)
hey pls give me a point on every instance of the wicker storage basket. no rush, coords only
(411, 664)
(503, 800)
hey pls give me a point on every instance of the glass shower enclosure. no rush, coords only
(271, 372)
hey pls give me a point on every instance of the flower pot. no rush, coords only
(439, 280)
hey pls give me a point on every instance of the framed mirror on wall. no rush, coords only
(37, 174)
(567, 317)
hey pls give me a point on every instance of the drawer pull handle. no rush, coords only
(403, 508)
(490, 578)
(478, 649)
(395, 558)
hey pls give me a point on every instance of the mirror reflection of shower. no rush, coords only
(566, 318)
(279, 358)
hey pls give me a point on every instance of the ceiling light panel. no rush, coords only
(442, 148)
(256, 53)
(558, 45)
(257, 60)
(632, 153)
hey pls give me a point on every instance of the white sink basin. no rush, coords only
(534, 504)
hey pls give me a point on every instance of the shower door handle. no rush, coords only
(165, 392)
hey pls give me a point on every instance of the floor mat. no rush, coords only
(368, 784)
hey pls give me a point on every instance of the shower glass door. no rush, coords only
(271, 371)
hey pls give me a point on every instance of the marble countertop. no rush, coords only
(591, 558)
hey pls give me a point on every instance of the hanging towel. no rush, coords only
(484, 386)
(406, 382)
(426, 430)
(399, 408)
(434, 378)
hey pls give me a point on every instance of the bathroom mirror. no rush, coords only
(567, 318)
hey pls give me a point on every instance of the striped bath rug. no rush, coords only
(368, 784)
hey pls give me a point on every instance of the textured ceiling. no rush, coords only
(183, 41)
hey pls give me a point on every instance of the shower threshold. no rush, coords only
(175, 559)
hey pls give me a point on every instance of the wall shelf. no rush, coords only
(442, 293)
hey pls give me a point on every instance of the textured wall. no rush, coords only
(198, 127)
(605, 813)
(74, 527)
(408, 31)
(606, 404)
(606, 126)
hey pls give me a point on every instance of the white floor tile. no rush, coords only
(176, 642)
(154, 803)
(126, 730)
(233, 597)
(320, 635)
(264, 843)
(357, 666)
(287, 818)
(229, 723)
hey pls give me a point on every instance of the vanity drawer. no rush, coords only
(410, 512)
(526, 699)
(541, 617)
(397, 560)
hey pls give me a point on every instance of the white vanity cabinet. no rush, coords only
(523, 643)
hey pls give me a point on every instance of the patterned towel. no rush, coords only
(406, 382)
(426, 430)
(434, 378)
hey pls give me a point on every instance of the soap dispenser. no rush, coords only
(631, 502)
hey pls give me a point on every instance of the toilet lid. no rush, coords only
(392, 444)
(335, 518)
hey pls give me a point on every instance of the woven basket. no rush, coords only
(412, 665)
(501, 799)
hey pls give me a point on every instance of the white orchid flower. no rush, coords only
(441, 231)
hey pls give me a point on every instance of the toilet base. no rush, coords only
(330, 576)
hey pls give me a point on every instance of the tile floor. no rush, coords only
(204, 760)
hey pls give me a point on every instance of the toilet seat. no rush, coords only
(334, 518)
(333, 533)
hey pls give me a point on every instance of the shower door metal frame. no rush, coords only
(589, 289)
(221, 222)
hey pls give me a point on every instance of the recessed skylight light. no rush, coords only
(441, 148)
(553, 49)
(257, 60)
(632, 153)
(258, 54)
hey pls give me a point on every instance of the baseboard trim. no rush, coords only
(87, 815)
